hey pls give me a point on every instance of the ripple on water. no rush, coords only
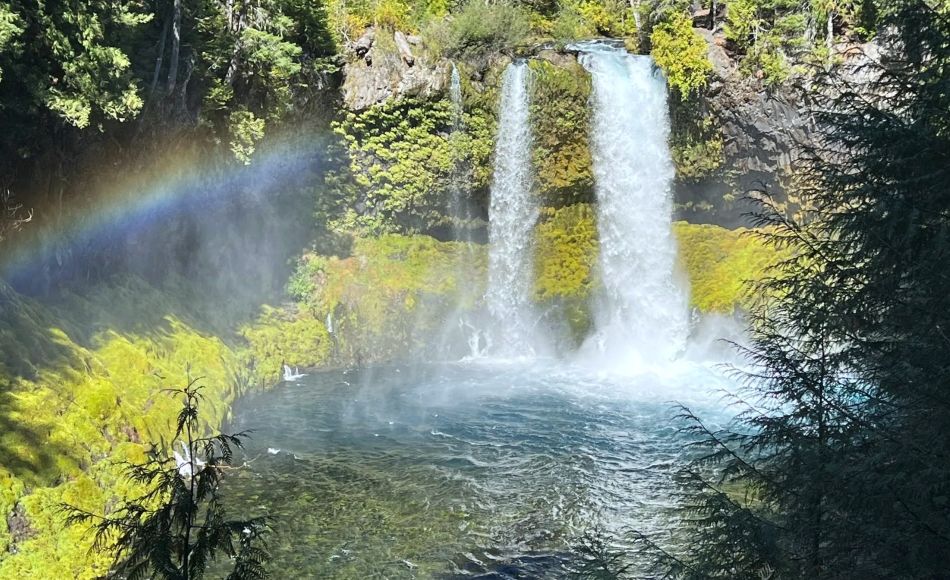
(407, 474)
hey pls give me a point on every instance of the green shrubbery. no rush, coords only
(285, 336)
(479, 29)
(681, 52)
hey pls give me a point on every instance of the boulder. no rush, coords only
(385, 72)
(405, 52)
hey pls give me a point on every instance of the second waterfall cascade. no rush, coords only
(641, 316)
(513, 214)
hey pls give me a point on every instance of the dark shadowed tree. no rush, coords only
(177, 527)
(839, 464)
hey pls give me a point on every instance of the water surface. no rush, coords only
(459, 469)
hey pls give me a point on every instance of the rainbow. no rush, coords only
(136, 201)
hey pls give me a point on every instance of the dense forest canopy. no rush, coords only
(121, 78)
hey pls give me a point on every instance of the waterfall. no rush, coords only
(641, 314)
(455, 94)
(459, 211)
(513, 213)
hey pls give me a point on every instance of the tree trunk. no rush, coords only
(176, 47)
(635, 6)
(158, 61)
(236, 53)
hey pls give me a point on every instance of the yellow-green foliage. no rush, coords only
(561, 117)
(400, 161)
(286, 336)
(78, 405)
(391, 293)
(566, 250)
(608, 17)
(478, 29)
(681, 52)
(719, 263)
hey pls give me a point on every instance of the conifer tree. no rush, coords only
(177, 527)
(839, 464)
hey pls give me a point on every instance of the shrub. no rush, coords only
(479, 28)
(681, 52)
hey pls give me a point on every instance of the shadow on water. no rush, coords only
(524, 567)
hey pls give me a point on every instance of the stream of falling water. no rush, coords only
(512, 215)
(641, 316)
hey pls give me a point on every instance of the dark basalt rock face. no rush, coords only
(763, 130)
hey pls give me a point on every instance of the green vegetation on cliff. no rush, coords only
(681, 52)
(566, 250)
(721, 264)
(74, 405)
(560, 116)
(391, 295)
(401, 164)
(717, 262)
(82, 379)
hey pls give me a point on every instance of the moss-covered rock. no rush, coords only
(566, 250)
(80, 403)
(387, 299)
(718, 263)
(560, 116)
(721, 263)
(285, 336)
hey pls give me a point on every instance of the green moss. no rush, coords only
(393, 291)
(566, 249)
(286, 336)
(84, 402)
(719, 263)
(399, 160)
(561, 117)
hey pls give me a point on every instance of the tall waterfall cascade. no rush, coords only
(641, 315)
(513, 213)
